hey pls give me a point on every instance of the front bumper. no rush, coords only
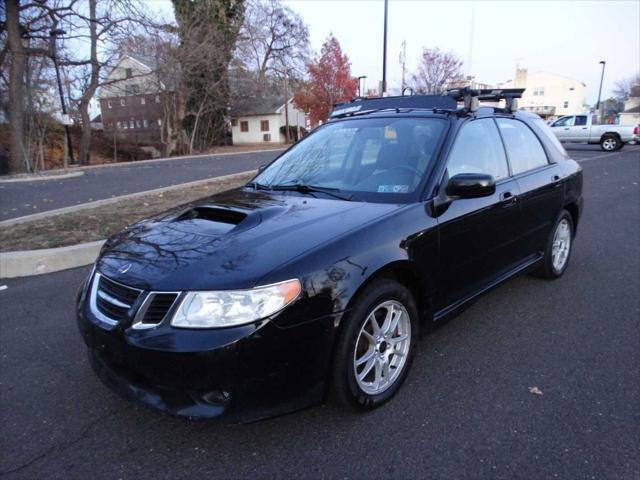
(242, 373)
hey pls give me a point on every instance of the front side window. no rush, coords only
(375, 159)
(564, 122)
(478, 149)
(523, 147)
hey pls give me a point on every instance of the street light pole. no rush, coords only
(603, 63)
(53, 34)
(384, 50)
(359, 87)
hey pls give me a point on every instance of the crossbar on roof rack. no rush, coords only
(436, 102)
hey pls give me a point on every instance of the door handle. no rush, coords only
(566, 128)
(584, 128)
(508, 199)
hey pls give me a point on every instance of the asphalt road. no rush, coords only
(465, 411)
(25, 198)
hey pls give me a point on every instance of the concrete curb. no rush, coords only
(43, 177)
(47, 260)
(107, 201)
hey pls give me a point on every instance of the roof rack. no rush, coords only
(424, 102)
(471, 97)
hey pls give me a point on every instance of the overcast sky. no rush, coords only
(564, 37)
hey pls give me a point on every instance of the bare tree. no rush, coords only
(273, 39)
(623, 87)
(436, 70)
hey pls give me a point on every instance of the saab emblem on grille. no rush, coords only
(124, 269)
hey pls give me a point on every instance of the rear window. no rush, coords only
(543, 129)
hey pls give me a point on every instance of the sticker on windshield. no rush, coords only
(393, 189)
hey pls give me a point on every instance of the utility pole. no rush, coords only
(403, 61)
(384, 51)
(603, 63)
(286, 104)
(361, 77)
(53, 34)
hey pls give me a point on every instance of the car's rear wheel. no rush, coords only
(375, 349)
(558, 250)
(610, 143)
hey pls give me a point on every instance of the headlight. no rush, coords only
(234, 307)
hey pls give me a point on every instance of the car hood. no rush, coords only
(230, 240)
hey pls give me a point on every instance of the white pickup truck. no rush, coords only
(582, 128)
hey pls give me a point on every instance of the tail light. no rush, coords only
(635, 130)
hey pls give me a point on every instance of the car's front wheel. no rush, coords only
(375, 349)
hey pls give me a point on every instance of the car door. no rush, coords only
(562, 128)
(476, 235)
(540, 183)
(578, 132)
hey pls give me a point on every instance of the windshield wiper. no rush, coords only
(258, 186)
(302, 188)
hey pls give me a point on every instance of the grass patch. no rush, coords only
(100, 222)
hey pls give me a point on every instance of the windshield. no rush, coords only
(375, 159)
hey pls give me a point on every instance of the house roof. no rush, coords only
(258, 105)
(635, 109)
(97, 119)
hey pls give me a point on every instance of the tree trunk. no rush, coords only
(87, 95)
(17, 152)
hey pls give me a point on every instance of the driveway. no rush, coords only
(464, 412)
(25, 198)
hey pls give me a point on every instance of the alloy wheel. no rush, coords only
(382, 347)
(561, 245)
(609, 144)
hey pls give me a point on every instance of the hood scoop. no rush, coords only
(214, 220)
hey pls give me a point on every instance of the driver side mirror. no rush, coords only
(471, 185)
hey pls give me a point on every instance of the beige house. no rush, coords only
(547, 94)
(262, 120)
(631, 114)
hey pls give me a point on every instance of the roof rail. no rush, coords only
(425, 102)
(471, 97)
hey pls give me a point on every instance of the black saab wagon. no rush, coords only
(317, 277)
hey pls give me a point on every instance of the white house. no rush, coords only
(259, 120)
(547, 94)
(631, 114)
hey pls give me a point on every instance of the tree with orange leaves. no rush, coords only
(330, 82)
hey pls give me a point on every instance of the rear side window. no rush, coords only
(523, 147)
(478, 149)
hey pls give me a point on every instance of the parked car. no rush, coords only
(319, 275)
(582, 128)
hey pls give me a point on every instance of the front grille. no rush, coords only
(111, 301)
(158, 307)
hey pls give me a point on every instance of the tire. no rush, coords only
(376, 301)
(610, 143)
(549, 268)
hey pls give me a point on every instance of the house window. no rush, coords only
(264, 125)
(122, 102)
(142, 101)
(234, 122)
(131, 124)
(125, 125)
(571, 89)
(138, 124)
(538, 91)
(129, 73)
(108, 103)
(157, 98)
(118, 125)
(145, 124)
(131, 89)
(159, 122)
(244, 126)
(565, 105)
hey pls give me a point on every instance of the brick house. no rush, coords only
(133, 99)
